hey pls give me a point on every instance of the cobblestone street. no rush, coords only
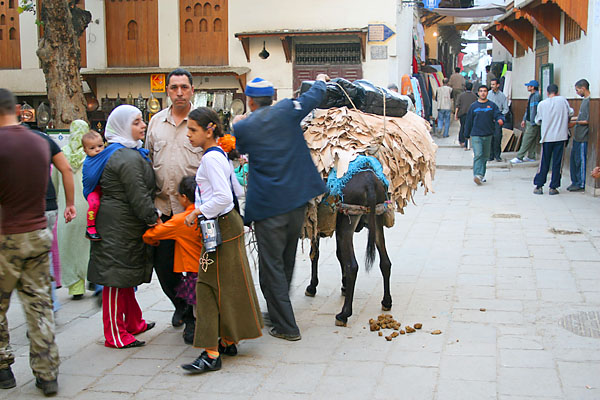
(512, 280)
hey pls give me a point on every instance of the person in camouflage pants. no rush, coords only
(24, 265)
(24, 246)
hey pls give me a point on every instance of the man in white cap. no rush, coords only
(282, 178)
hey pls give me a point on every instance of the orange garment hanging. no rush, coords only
(405, 85)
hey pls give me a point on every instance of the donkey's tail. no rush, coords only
(372, 202)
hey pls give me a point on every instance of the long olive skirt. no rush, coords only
(226, 302)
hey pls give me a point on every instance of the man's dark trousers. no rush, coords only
(552, 153)
(164, 255)
(461, 132)
(277, 239)
(496, 142)
(578, 163)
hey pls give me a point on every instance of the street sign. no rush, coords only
(157, 83)
(431, 4)
(379, 33)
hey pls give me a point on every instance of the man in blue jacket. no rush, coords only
(480, 126)
(282, 178)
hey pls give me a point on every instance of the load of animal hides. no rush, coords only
(363, 95)
(403, 146)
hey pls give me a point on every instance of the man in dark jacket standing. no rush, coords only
(461, 109)
(281, 180)
(480, 125)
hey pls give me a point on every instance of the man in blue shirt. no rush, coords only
(480, 125)
(282, 178)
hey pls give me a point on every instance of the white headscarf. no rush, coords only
(118, 126)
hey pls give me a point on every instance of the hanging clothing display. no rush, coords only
(418, 97)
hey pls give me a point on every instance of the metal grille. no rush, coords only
(328, 53)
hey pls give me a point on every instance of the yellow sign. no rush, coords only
(157, 83)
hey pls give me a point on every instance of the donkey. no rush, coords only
(363, 189)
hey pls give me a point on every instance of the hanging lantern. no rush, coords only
(43, 115)
(264, 54)
(92, 103)
(129, 99)
(153, 104)
(107, 104)
(118, 100)
(140, 103)
(27, 113)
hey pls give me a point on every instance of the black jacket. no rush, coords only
(121, 259)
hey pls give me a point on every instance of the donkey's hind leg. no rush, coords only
(385, 265)
(311, 289)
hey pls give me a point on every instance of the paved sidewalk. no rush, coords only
(510, 278)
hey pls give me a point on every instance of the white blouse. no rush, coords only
(214, 179)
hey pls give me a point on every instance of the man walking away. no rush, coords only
(24, 246)
(531, 135)
(489, 75)
(580, 138)
(457, 83)
(463, 103)
(479, 126)
(497, 97)
(443, 96)
(553, 115)
(282, 178)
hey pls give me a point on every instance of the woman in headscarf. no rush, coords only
(121, 260)
(73, 246)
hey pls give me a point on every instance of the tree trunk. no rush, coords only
(60, 56)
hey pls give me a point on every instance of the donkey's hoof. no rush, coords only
(384, 308)
(340, 323)
(310, 292)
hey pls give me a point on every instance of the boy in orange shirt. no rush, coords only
(188, 248)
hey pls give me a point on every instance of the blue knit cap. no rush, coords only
(259, 87)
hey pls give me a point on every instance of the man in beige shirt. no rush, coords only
(457, 83)
(173, 157)
(443, 96)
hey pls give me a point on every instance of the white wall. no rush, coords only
(308, 14)
(499, 52)
(572, 61)
(96, 35)
(168, 33)
(244, 16)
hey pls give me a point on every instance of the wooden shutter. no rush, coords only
(132, 33)
(203, 27)
(572, 30)
(10, 36)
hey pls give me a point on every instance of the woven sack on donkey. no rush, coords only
(327, 216)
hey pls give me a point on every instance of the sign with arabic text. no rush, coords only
(379, 33)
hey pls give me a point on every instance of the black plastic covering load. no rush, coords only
(335, 96)
(366, 97)
(374, 99)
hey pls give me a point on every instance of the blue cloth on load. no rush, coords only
(360, 164)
